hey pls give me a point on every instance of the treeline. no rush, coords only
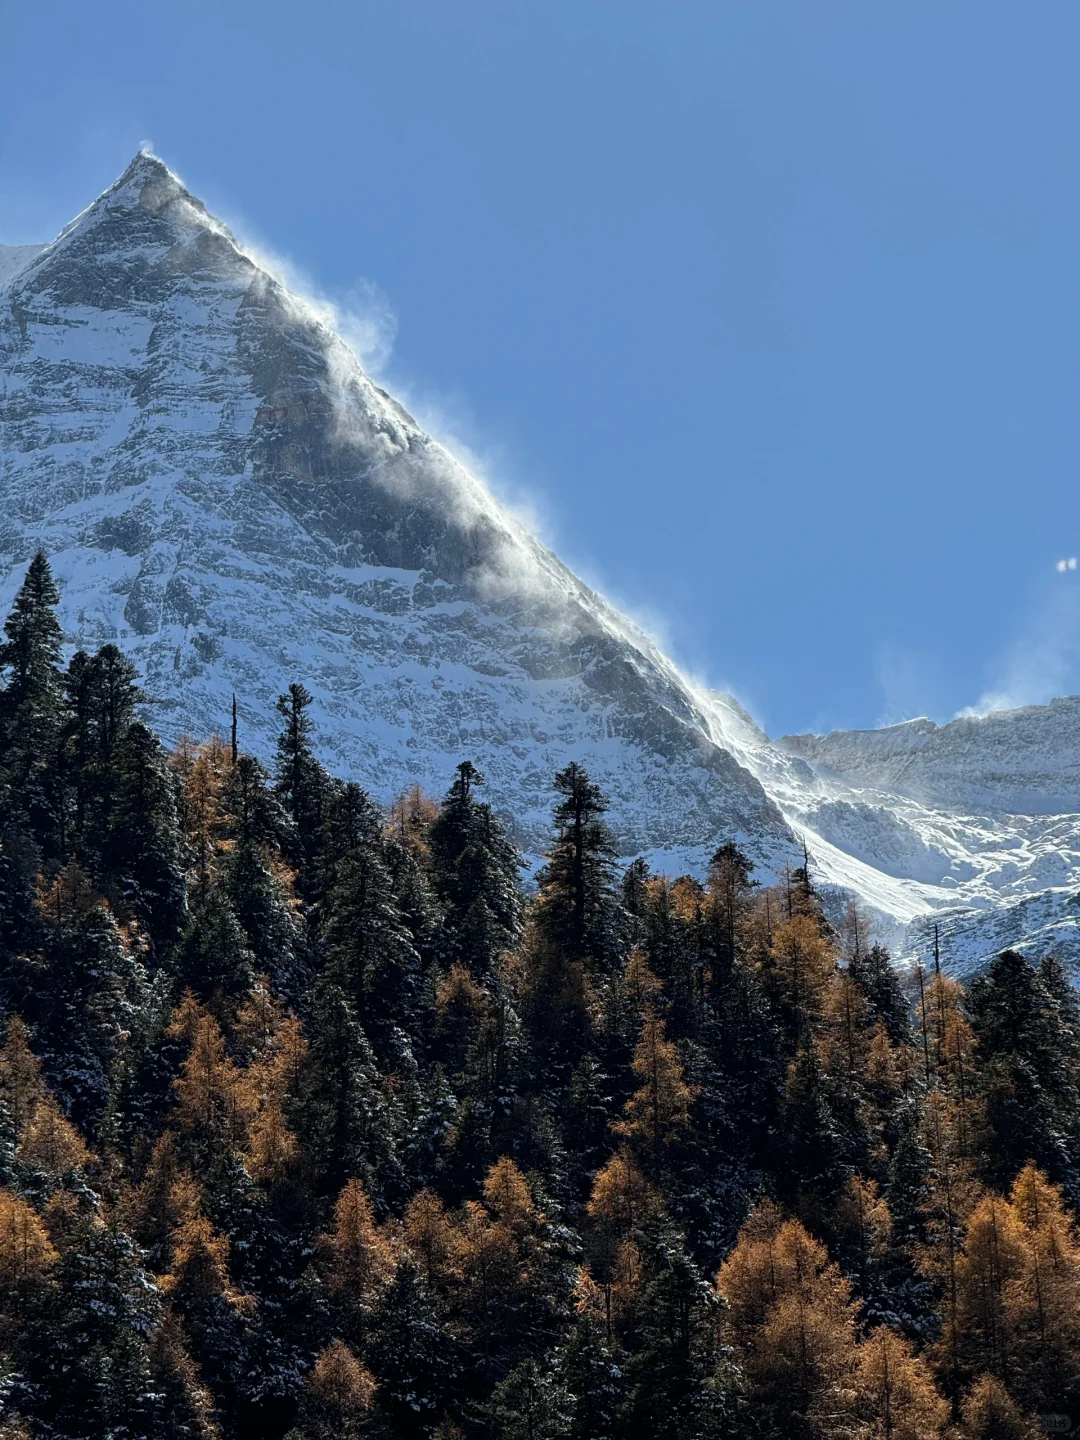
(312, 1122)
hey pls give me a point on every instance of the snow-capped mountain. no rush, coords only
(226, 494)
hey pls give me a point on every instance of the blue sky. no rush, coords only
(768, 311)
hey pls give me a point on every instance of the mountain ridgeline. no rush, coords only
(229, 498)
(314, 1123)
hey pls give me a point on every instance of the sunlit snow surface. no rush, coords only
(225, 494)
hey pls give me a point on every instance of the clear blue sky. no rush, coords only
(770, 309)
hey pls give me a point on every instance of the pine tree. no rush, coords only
(102, 694)
(142, 850)
(20, 924)
(371, 954)
(213, 959)
(576, 912)
(678, 1379)
(30, 705)
(730, 887)
(87, 1355)
(302, 784)
(475, 868)
(344, 1118)
(95, 1002)
(251, 811)
(413, 1354)
(876, 976)
(532, 1403)
(810, 1159)
(259, 899)
(1030, 1064)
(594, 1380)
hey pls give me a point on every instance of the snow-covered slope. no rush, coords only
(228, 496)
(978, 819)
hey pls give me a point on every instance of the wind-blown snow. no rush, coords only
(15, 258)
(225, 494)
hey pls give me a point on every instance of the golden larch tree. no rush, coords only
(897, 1399)
(659, 1109)
(358, 1259)
(341, 1393)
(432, 1238)
(990, 1413)
(1042, 1303)
(622, 1197)
(791, 1324)
(27, 1255)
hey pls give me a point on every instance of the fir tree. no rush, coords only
(577, 904)
(413, 1354)
(730, 887)
(30, 705)
(301, 782)
(1030, 1061)
(476, 875)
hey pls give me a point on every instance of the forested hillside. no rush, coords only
(314, 1121)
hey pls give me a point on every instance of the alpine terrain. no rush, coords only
(226, 495)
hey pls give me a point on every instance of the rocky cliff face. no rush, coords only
(226, 495)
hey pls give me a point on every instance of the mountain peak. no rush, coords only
(150, 185)
(225, 494)
(147, 191)
(146, 169)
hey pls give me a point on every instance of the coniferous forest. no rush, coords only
(317, 1121)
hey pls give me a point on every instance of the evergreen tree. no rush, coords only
(730, 887)
(302, 784)
(413, 1354)
(30, 706)
(475, 868)
(260, 904)
(345, 1119)
(141, 849)
(532, 1403)
(594, 1380)
(87, 1360)
(1030, 1061)
(676, 1374)
(93, 1000)
(101, 697)
(213, 958)
(370, 949)
(876, 977)
(577, 909)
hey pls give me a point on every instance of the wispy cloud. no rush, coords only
(1045, 661)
